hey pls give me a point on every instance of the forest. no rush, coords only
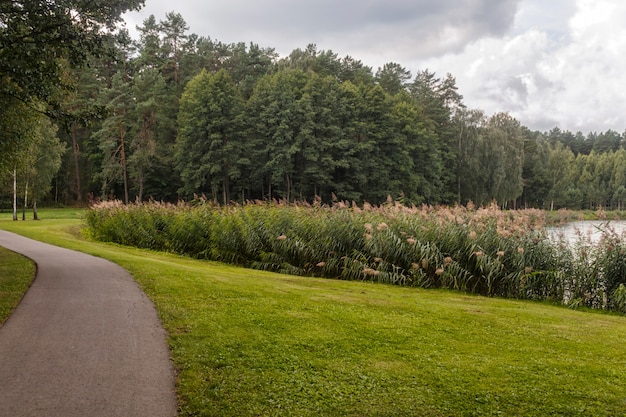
(175, 116)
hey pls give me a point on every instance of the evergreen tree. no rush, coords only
(537, 180)
(113, 138)
(377, 147)
(174, 39)
(355, 71)
(393, 78)
(210, 148)
(439, 100)
(275, 122)
(468, 126)
(150, 45)
(320, 138)
(148, 92)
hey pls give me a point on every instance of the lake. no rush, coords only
(589, 230)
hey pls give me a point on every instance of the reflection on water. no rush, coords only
(591, 230)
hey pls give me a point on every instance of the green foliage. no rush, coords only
(491, 158)
(210, 143)
(40, 40)
(16, 121)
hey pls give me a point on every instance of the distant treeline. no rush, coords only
(173, 115)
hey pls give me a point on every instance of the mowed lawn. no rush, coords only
(16, 275)
(249, 343)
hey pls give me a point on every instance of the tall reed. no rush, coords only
(480, 250)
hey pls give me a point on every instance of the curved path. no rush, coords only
(85, 341)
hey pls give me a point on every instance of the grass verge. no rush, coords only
(250, 343)
(16, 275)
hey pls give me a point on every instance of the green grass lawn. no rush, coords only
(16, 275)
(250, 343)
(45, 214)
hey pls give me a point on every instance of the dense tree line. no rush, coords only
(174, 115)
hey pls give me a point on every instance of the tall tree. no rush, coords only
(149, 45)
(439, 100)
(88, 110)
(618, 179)
(311, 60)
(275, 123)
(45, 161)
(320, 139)
(537, 179)
(607, 141)
(113, 137)
(210, 148)
(355, 71)
(560, 165)
(393, 77)
(175, 37)
(468, 126)
(377, 146)
(247, 64)
(507, 147)
(148, 92)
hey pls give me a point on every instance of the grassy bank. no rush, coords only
(250, 343)
(16, 275)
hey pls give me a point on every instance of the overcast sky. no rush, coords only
(549, 63)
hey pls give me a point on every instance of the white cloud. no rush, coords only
(388, 28)
(548, 63)
(549, 75)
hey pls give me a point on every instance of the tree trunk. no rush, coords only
(79, 195)
(145, 146)
(35, 216)
(226, 190)
(459, 159)
(123, 150)
(25, 201)
(15, 194)
(140, 180)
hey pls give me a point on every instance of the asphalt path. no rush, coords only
(85, 341)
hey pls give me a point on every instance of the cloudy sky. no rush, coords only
(549, 63)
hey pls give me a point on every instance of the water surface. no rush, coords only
(589, 230)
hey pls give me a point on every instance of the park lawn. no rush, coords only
(250, 343)
(45, 214)
(16, 275)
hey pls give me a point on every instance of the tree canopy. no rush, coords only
(38, 39)
(183, 115)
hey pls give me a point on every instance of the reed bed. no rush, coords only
(483, 250)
